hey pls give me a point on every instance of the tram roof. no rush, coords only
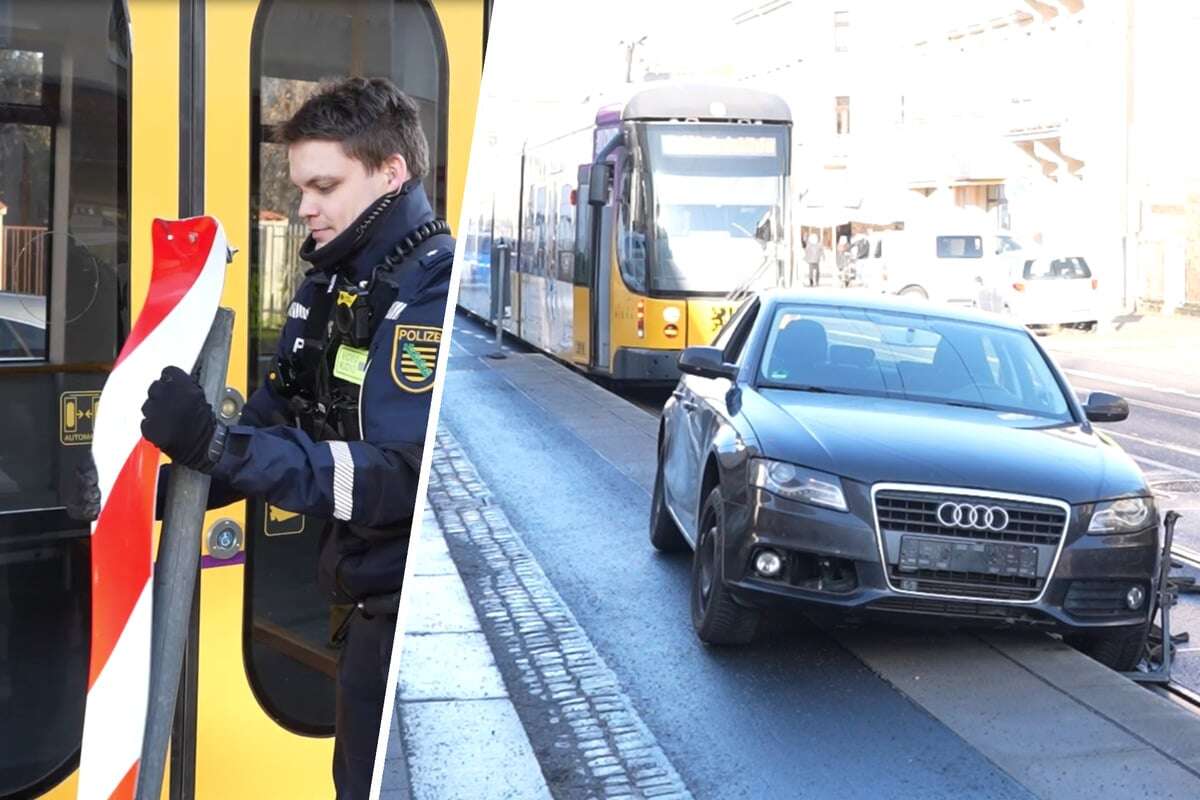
(700, 101)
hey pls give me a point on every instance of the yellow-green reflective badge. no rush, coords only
(350, 364)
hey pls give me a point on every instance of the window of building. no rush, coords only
(843, 115)
(841, 31)
(297, 45)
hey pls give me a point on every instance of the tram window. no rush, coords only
(565, 234)
(64, 255)
(631, 240)
(297, 46)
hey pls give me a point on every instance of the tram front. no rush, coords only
(701, 218)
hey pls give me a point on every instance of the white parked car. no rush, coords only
(1044, 290)
(22, 327)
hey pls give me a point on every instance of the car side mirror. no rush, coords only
(1105, 407)
(706, 362)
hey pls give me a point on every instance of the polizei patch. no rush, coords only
(414, 356)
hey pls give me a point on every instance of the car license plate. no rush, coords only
(990, 558)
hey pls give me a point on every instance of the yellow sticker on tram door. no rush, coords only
(350, 364)
(77, 417)
(278, 522)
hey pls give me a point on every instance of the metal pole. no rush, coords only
(500, 265)
(175, 574)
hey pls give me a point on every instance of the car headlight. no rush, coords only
(797, 483)
(1122, 516)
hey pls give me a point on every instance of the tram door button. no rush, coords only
(224, 539)
(77, 417)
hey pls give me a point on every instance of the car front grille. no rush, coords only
(966, 584)
(916, 512)
(960, 608)
(905, 512)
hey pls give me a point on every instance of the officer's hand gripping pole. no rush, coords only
(175, 574)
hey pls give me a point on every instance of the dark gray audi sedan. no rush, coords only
(868, 454)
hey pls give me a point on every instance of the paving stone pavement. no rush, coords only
(588, 737)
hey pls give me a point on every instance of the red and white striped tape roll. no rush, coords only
(185, 290)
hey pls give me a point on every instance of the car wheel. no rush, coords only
(1120, 649)
(716, 616)
(664, 533)
(914, 291)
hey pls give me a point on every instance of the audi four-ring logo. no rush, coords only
(969, 515)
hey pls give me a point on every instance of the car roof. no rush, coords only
(29, 309)
(870, 301)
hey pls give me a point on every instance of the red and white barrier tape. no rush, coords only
(185, 290)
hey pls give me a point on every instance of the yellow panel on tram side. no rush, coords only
(581, 323)
(154, 134)
(462, 26)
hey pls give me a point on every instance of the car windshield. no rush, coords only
(884, 353)
(1041, 269)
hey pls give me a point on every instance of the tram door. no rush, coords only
(107, 121)
(584, 289)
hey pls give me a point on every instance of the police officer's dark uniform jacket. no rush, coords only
(338, 429)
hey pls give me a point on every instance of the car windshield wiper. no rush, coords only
(962, 404)
(804, 388)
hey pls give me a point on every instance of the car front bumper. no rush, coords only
(833, 561)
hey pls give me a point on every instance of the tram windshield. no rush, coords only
(718, 205)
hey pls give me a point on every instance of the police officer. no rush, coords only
(337, 431)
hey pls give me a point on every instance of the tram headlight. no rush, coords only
(1122, 516)
(671, 315)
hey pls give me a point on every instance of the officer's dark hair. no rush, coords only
(370, 117)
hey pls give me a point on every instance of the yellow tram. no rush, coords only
(626, 240)
(112, 113)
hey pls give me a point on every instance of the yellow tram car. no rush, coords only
(112, 113)
(614, 246)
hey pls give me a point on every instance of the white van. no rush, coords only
(950, 267)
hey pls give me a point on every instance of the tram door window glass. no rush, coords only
(564, 232)
(64, 260)
(632, 237)
(583, 235)
(297, 46)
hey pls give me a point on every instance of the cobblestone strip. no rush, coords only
(588, 737)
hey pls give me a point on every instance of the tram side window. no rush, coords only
(64, 257)
(298, 45)
(565, 234)
(26, 138)
(631, 238)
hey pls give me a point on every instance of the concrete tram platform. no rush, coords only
(1057, 723)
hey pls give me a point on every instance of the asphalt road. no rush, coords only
(793, 715)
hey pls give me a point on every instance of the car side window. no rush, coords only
(741, 332)
(733, 333)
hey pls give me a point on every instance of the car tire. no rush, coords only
(664, 533)
(716, 616)
(1120, 648)
(914, 291)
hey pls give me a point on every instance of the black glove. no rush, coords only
(179, 420)
(83, 496)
